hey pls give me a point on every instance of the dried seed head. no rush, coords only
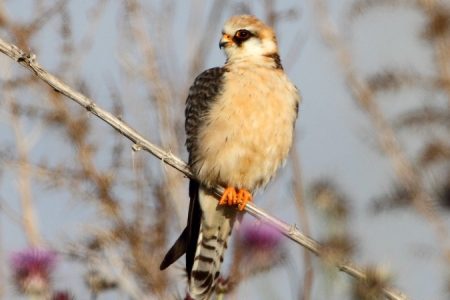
(371, 288)
(329, 200)
(337, 249)
(438, 23)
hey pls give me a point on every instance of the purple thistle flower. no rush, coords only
(258, 248)
(31, 269)
(62, 295)
(259, 236)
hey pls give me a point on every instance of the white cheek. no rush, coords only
(229, 51)
(269, 46)
(253, 47)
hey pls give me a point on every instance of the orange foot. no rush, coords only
(229, 197)
(232, 196)
(244, 197)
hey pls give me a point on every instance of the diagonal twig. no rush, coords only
(28, 60)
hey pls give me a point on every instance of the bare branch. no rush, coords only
(140, 143)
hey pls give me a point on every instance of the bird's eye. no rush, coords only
(242, 35)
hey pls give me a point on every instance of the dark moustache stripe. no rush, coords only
(276, 59)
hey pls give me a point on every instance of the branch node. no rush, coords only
(169, 155)
(90, 107)
(292, 229)
(136, 147)
(28, 58)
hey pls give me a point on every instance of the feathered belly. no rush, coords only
(245, 158)
(246, 137)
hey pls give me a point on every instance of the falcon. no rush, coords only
(239, 127)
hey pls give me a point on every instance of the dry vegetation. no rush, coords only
(53, 150)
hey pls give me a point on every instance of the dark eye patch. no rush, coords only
(241, 36)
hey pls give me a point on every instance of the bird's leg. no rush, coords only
(229, 197)
(243, 197)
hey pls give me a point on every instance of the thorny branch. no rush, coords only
(28, 60)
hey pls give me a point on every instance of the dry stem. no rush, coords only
(387, 139)
(28, 215)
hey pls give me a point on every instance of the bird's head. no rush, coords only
(246, 36)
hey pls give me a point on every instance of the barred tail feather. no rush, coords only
(215, 229)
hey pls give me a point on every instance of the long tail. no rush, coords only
(204, 241)
(215, 229)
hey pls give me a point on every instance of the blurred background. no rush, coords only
(83, 216)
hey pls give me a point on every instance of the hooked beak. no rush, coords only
(225, 41)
